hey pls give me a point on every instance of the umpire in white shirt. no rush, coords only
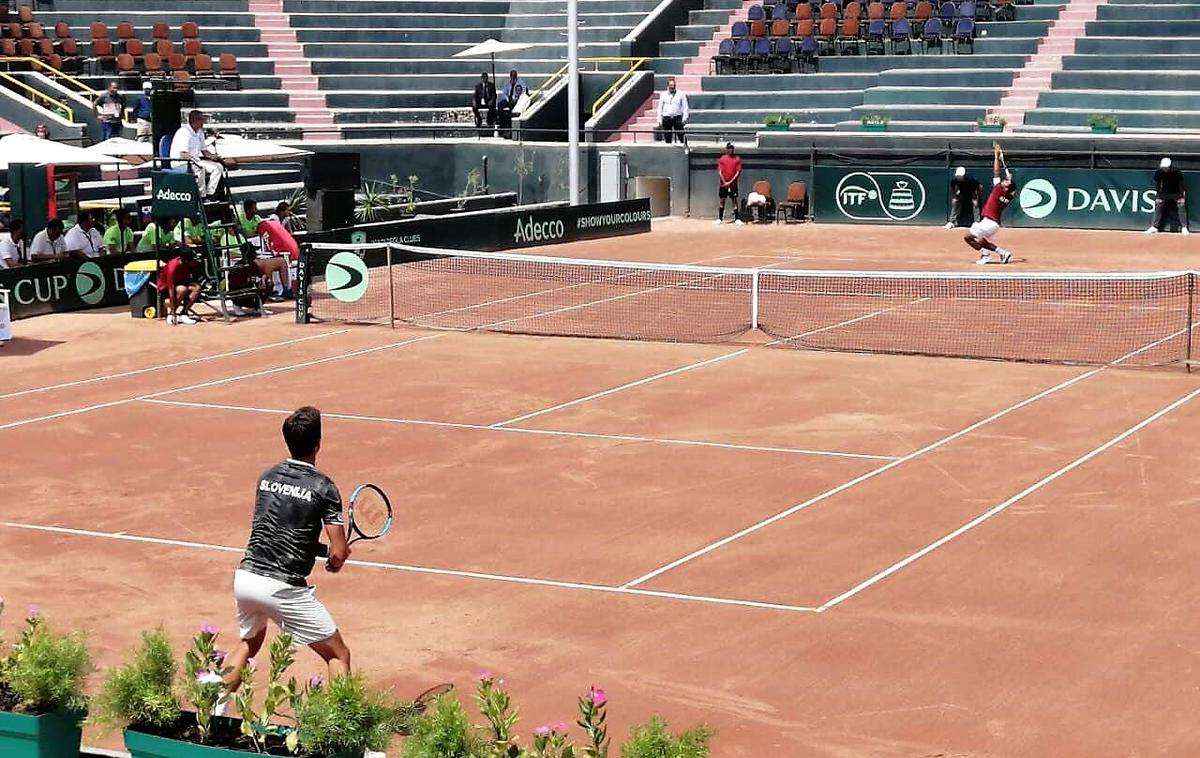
(188, 145)
(672, 112)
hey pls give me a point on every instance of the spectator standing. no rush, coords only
(965, 194)
(188, 144)
(13, 251)
(143, 113)
(49, 244)
(672, 112)
(729, 169)
(1168, 184)
(119, 238)
(484, 102)
(109, 107)
(84, 240)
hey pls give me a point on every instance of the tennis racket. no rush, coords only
(370, 516)
(1003, 163)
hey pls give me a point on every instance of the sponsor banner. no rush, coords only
(173, 195)
(1082, 198)
(503, 229)
(880, 195)
(66, 285)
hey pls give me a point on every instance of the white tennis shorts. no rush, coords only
(984, 229)
(295, 609)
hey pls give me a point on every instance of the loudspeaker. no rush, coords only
(330, 209)
(164, 115)
(333, 171)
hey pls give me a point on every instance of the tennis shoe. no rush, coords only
(1152, 230)
(718, 222)
(1005, 256)
(739, 222)
(1184, 230)
(171, 319)
(949, 225)
(186, 319)
(984, 259)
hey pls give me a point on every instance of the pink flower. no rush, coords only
(315, 680)
(209, 629)
(208, 677)
(33, 612)
(560, 727)
(250, 664)
(218, 656)
(542, 731)
(599, 696)
(486, 676)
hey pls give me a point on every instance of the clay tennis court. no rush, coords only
(819, 553)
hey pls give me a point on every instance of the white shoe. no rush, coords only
(1152, 230)
(984, 260)
(1005, 256)
(718, 222)
(949, 225)
(739, 222)
(1184, 230)
(171, 320)
(186, 319)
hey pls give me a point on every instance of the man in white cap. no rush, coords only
(1168, 186)
(965, 193)
(142, 112)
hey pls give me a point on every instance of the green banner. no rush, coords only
(1081, 198)
(174, 195)
(846, 194)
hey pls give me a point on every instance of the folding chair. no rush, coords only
(875, 33)
(783, 56)
(849, 36)
(739, 30)
(160, 30)
(164, 48)
(763, 213)
(742, 50)
(804, 29)
(760, 58)
(34, 30)
(229, 69)
(964, 36)
(721, 61)
(922, 12)
(99, 31)
(827, 37)
(755, 13)
(781, 28)
(852, 9)
(795, 207)
(152, 65)
(190, 30)
(804, 12)
(901, 37)
(203, 65)
(758, 29)
(809, 55)
(931, 34)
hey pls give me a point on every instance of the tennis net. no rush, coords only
(1138, 319)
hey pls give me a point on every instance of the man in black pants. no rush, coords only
(672, 113)
(484, 101)
(729, 169)
(965, 194)
(1168, 184)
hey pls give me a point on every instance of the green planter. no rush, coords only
(142, 745)
(1104, 130)
(778, 127)
(874, 127)
(54, 735)
(991, 128)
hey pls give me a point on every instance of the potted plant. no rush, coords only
(41, 692)
(992, 123)
(341, 719)
(1102, 124)
(875, 123)
(778, 122)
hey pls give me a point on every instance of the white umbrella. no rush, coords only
(25, 148)
(235, 149)
(131, 150)
(489, 47)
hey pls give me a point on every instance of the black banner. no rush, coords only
(504, 229)
(67, 285)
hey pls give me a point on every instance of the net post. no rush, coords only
(391, 290)
(1187, 359)
(754, 300)
(302, 277)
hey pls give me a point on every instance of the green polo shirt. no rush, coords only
(118, 240)
(249, 225)
(153, 239)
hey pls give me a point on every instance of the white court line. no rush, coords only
(545, 432)
(857, 480)
(629, 385)
(1009, 502)
(848, 322)
(525, 580)
(216, 382)
(163, 366)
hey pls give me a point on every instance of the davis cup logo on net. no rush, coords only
(89, 283)
(1038, 198)
(880, 196)
(346, 277)
(534, 231)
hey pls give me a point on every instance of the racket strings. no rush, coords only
(371, 514)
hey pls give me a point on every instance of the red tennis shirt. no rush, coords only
(997, 201)
(175, 272)
(729, 166)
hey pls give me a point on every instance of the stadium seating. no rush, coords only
(1139, 61)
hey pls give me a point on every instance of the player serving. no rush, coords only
(979, 236)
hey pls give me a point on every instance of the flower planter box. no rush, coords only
(991, 128)
(143, 745)
(778, 127)
(874, 127)
(54, 735)
(1104, 130)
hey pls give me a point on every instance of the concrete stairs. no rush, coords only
(294, 70)
(1036, 77)
(638, 128)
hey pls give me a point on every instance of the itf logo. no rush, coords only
(1038, 198)
(346, 275)
(89, 283)
(880, 196)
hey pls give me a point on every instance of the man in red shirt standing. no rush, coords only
(729, 168)
(979, 236)
(178, 279)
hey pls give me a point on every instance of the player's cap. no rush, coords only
(960, 172)
(1164, 163)
(147, 86)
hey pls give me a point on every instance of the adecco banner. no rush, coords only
(912, 195)
(1083, 198)
(66, 286)
(504, 229)
(173, 195)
